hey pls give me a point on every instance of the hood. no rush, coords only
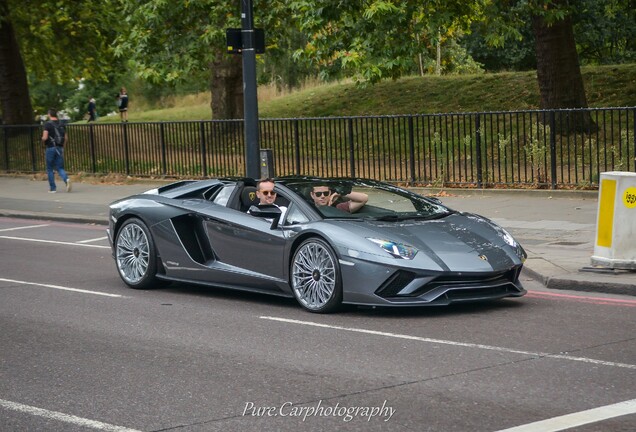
(460, 242)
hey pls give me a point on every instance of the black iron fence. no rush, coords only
(559, 148)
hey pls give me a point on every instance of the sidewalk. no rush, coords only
(556, 228)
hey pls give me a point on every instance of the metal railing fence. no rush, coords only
(534, 148)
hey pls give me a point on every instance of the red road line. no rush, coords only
(584, 299)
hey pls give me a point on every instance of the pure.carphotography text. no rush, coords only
(320, 409)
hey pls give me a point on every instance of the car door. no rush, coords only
(246, 248)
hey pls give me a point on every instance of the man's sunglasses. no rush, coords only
(322, 193)
(268, 193)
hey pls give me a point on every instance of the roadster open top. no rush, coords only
(399, 249)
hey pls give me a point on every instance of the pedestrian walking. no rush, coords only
(92, 110)
(54, 138)
(123, 104)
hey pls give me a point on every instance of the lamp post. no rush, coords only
(250, 99)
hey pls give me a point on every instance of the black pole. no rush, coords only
(250, 100)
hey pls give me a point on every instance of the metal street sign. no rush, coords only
(235, 44)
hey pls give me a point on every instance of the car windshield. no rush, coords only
(356, 199)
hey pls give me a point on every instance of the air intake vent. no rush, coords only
(395, 283)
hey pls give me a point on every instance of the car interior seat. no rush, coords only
(248, 198)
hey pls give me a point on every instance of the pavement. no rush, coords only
(557, 228)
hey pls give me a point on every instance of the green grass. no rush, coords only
(606, 86)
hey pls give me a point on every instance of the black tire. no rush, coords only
(315, 276)
(136, 255)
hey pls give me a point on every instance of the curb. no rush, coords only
(574, 284)
(540, 193)
(53, 217)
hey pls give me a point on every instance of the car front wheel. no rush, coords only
(315, 277)
(135, 255)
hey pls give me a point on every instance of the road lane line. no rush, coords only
(580, 418)
(61, 288)
(92, 240)
(453, 343)
(24, 227)
(54, 242)
(584, 299)
(67, 418)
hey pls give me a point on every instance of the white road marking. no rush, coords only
(54, 415)
(61, 288)
(581, 418)
(24, 227)
(92, 240)
(54, 242)
(453, 343)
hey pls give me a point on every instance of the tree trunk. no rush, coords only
(226, 86)
(14, 89)
(559, 74)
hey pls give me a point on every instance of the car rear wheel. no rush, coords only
(315, 277)
(135, 255)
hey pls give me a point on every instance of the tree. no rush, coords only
(173, 41)
(53, 41)
(604, 31)
(374, 40)
(558, 69)
(14, 90)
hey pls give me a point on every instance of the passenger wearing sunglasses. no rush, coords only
(324, 196)
(267, 195)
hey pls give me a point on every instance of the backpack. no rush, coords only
(57, 138)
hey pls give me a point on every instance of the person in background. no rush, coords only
(324, 196)
(123, 104)
(92, 110)
(54, 138)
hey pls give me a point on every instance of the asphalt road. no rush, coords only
(79, 351)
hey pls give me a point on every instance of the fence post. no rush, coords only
(126, 150)
(553, 166)
(162, 142)
(480, 173)
(204, 159)
(412, 150)
(352, 158)
(32, 150)
(6, 148)
(297, 146)
(91, 141)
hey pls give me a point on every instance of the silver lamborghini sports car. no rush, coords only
(397, 248)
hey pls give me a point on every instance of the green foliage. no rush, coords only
(605, 32)
(537, 151)
(371, 41)
(65, 41)
(173, 41)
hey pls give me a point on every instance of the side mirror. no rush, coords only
(266, 211)
(435, 200)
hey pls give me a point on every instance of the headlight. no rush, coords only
(398, 250)
(508, 238)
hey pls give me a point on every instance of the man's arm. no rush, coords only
(45, 136)
(357, 200)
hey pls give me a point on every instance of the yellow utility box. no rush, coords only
(615, 243)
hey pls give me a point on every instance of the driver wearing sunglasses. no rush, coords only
(324, 196)
(267, 195)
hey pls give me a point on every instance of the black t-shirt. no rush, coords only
(50, 126)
